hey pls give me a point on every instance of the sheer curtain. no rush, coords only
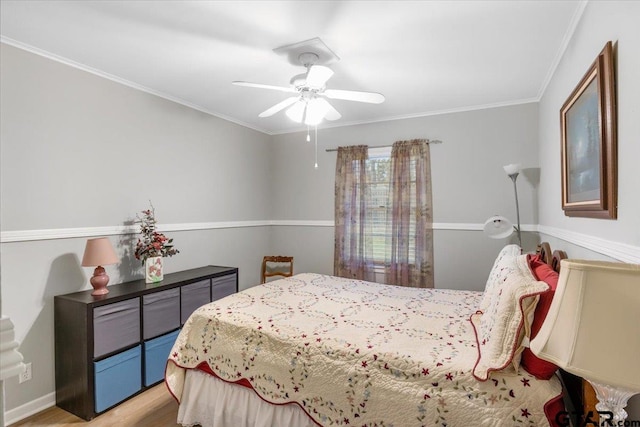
(353, 248)
(409, 237)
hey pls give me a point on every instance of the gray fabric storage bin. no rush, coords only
(193, 296)
(223, 286)
(160, 312)
(116, 326)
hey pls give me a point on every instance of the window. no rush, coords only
(383, 213)
(379, 179)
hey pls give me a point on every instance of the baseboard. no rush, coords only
(21, 412)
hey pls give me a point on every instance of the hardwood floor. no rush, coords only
(153, 408)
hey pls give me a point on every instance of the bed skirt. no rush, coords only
(209, 401)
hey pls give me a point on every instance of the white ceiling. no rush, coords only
(426, 57)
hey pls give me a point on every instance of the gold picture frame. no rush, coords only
(589, 149)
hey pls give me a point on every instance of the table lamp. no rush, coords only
(591, 330)
(99, 252)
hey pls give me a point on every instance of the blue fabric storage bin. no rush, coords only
(117, 377)
(156, 353)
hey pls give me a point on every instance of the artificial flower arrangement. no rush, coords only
(152, 243)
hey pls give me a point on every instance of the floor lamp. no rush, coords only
(499, 227)
(513, 170)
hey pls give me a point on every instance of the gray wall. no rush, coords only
(616, 21)
(80, 151)
(602, 21)
(56, 121)
(469, 185)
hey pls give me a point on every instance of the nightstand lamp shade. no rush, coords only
(591, 329)
(99, 252)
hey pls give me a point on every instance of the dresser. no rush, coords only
(111, 347)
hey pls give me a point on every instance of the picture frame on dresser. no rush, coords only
(112, 347)
(589, 148)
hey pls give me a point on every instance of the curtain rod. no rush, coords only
(435, 141)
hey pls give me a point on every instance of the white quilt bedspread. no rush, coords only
(357, 353)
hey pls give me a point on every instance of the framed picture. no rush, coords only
(589, 153)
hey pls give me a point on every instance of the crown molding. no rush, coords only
(568, 35)
(114, 78)
(120, 80)
(414, 116)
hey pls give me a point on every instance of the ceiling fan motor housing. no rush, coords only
(299, 80)
(308, 59)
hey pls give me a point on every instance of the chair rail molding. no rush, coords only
(616, 250)
(621, 251)
(116, 230)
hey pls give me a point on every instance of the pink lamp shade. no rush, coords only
(99, 252)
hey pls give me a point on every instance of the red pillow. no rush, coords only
(537, 367)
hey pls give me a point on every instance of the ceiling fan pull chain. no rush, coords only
(308, 137)
(316, 139)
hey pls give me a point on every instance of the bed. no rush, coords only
(321, 350)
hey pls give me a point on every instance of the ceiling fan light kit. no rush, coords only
(310, 106)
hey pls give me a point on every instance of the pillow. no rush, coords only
(500, 329)
(498, 273)
(537, 367)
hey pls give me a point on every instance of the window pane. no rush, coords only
(379, 174)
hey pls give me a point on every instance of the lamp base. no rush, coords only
(611, 402)
(99, 281)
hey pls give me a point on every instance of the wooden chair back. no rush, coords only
(285, 270)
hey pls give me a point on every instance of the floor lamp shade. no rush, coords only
(99, 252)
(498, 227)
(591, 329)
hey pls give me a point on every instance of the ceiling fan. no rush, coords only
(309, 105)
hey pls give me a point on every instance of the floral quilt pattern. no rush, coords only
(358, 353)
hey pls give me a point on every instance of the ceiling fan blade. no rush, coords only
(296, 112)
(261, 86)
(279, 106)
(353, 95)
(318, 75)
